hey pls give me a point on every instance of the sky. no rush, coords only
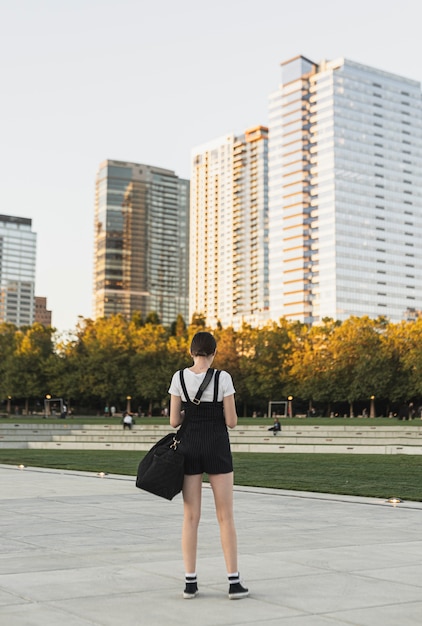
(134, 80)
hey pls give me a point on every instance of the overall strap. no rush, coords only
(203, 386)
(182, 382)
(216, 379)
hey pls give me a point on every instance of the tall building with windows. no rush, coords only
(141, 241)
(229, 229)
(345, 192)
(18, 245)
(42, 314)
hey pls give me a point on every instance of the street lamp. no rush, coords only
(372, 407)
(9, 407)
(128, 399)
(47, 405)
(289, 406)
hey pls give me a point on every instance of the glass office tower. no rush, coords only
(141, 241)
(229, 230)
(17, 270)
(345, 186)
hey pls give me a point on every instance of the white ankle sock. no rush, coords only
(233, 578)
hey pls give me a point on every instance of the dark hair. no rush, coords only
(203, 344)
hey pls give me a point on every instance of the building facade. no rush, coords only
(345, 192)
(229, 230)
(18, 244)
(141, 241)
(42, 314)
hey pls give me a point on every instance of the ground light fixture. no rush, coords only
(102, 474)
(21, 466)
(394, 500)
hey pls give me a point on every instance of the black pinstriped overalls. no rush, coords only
(205, 441)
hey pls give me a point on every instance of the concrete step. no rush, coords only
(243, 438)
(246, 431)
(291, 439)
(255, 438)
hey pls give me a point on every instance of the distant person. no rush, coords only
(112, 411)
(64, 412)
(411, 411)
(127, 421)
(276, 427)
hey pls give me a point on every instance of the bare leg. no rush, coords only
(192, 491)
(222, 486)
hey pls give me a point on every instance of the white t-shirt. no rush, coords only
(193, 382)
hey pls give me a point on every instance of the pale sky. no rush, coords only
(145, 81)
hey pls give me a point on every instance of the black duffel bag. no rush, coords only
(161, 471)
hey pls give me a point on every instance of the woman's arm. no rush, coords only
(176, 417)
(230, 414)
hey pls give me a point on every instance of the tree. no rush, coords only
(360, 360)
(311, 363)
(98, 361)
(396, 340)
(178, 328)
(7, 349)
(198, 320)
(151, 368)
(264, 354)
(27, 371)
(153, 318)
(407, 340)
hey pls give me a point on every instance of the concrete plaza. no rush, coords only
(77, 549)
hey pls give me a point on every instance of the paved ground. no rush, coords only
(80, 550)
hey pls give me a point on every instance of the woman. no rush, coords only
(206, 446)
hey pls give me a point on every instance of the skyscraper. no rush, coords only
(345, 186)
(229, 229)
(17, 270)
(141, 241)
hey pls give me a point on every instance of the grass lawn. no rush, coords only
(379, 476)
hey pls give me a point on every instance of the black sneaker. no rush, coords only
(190, 591)
(237, 591)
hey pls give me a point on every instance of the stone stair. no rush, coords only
(349, 439)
